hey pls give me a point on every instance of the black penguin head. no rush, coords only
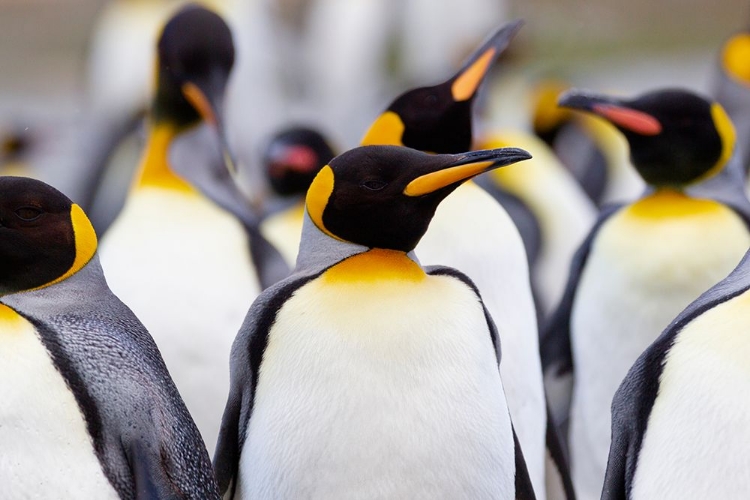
(44, 237)
(385, 196)
(676, 137)
(438, 119)
(293, 158)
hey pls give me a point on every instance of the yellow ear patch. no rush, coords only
(429, 183)
(317, 198)
(387, 130)
(466, 84)
(85, 243)
(726, 130)
(735, 58)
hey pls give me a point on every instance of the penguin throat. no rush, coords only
(154, 170)
(671, 203)
(375, 265)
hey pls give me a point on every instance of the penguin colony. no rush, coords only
(409, 318)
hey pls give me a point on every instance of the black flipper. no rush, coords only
(634, 399)
(554, 342)
(524, 489)
(245, 360)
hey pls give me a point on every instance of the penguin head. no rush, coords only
(676, 137)
(195, 58)
(293, 158)
(44, 237)
(437, 119)
(385, 196)
(549, 118)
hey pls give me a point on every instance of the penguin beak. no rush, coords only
(465, 84)
(460, 168)
(613, 110)
(207, 99)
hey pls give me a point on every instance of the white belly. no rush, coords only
(46, 451)
(390, 391)
(698, 434)
(183, 266)
(471, 232)
(639, 276)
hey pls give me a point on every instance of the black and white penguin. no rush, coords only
(679, 429)
(88, 407)
(472, 232)
(364, 374)
(643, 262)
(291, 160)
(186, 253)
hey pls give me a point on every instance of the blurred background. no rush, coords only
(336, 63)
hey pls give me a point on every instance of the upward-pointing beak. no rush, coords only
(613, 110)
(466, 82)
(208, 100)
(448, 170)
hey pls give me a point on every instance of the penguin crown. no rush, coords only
(196, 54)
(385, 196)
(293, 158)
(676, 137)
(44, 237)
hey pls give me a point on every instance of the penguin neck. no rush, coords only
(669, 202)
(64, 296)
(318, 251)
(154, 170)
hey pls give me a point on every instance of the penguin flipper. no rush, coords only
(149, 477)
(524, 489)
(554, 342)
(557, 460)
(245, 359)
(267, 260)
(634, 399)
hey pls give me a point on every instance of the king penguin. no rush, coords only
(680, 422)
(365, 375)
(643, 262)
(88, 407)
(185, 253)
(472, 232)
(291, 161)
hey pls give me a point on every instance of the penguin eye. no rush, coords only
(374, 185)
(431, 99)
(28, 213)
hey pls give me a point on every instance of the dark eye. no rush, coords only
(431, 100)
(28, 213)
(374, 185)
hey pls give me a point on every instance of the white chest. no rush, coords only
(699, 429)
(183, 266)
(46, 449)
(642, 271)
(379, 390)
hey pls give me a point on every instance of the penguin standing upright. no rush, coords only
(364, 375)
(185, 253)
(679, 429)
(643, 262)
(291, 161)
(474, 233)
(88, 407)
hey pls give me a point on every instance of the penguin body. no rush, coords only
(402, 396)
(88, 408)
(185, 253)
(488, 246)
(678, 429)
(642, 263)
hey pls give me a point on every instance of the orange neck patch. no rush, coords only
(374, 266)
(154, 170)
(9, 319)
(387, 130)
(668, 203)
